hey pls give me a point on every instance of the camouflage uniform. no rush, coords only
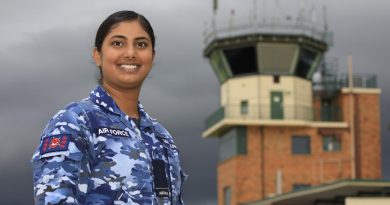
(92, 153)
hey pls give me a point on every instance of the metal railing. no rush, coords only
(359, 81)
(265, 112)
(331, 85)
(242, 26)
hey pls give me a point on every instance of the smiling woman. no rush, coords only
(126, 56)
(106, 149)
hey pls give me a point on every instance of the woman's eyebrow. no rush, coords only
(142, 38)
(125, 38)
(119, 36)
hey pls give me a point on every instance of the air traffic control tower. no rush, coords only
(276, 133)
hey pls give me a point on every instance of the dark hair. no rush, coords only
(116, 18)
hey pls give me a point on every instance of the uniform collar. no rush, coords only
(101, 97)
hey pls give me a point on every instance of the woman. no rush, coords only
(106, 149)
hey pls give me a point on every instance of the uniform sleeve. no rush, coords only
(60, 163)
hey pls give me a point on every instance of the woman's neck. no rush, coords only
(126, 99)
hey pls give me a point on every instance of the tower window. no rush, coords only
(298, 187)
(305, 62)
(244, 107)
(227, 196)
(242, 60)
(276, 57)
(331, 143)
(276, 79)
(232, 143)
(301, 145)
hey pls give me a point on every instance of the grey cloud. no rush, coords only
(46, 64)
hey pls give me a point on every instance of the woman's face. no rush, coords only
(126, 56)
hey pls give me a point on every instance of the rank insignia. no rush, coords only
(55, 143)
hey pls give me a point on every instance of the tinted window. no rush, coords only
(227, 196)
(298, 187)
(244, 107)
(242, 60)
(331, 143)
(301, 145)
(232, 143)
(305, 61)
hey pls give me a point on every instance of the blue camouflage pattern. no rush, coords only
(108, 159)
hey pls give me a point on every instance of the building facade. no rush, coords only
(278, 130)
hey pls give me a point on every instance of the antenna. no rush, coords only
(277, 11)
(264, 10)
(231, 22)
(313, 14)
(301, 13)
(255, 12)
(325, 18)
(215, 6)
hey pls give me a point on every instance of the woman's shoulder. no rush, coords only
(70, 112)
(162, 131)
(74, 109)
(158, 127)
(72, 115)
(64, 134)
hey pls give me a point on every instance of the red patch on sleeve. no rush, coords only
(55, 143)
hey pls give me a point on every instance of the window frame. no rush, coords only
(300, 186)
(227, 191)
(233, 143)
(337, 147)
(295, 150)
(244, 107)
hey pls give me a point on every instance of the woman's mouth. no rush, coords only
(129, 67)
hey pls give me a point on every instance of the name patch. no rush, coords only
(55, 143)
(111, 131)
(160, 178)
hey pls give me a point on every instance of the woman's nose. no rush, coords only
(130, 52)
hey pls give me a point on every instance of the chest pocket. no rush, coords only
(121, 155)
(122, 170)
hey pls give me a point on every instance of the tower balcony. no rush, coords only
(294, 115)
(282, 26)
(331, 84)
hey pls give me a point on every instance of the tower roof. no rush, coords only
(330, 192)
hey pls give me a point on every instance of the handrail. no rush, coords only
(266, 112)
(243, 26)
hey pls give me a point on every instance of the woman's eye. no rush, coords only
(141, 44)
(117, 43)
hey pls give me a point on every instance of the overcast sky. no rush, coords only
(45, 57)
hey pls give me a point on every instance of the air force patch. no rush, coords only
(111, 131)
(55, 143)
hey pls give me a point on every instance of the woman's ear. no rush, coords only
(97, 57)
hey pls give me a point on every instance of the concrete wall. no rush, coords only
(367, 201)
(257, 91)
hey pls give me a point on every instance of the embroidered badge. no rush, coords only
(55, 143)
(111, 131)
